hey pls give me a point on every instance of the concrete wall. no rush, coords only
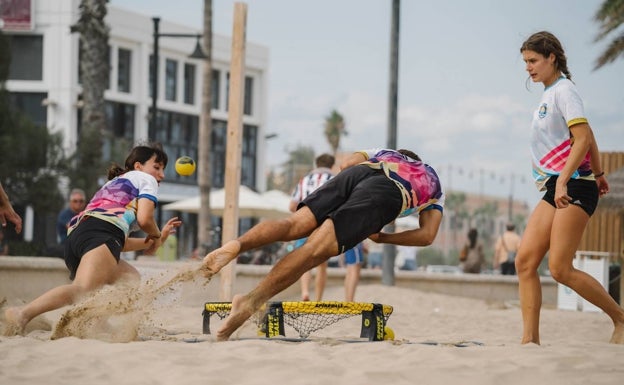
(25, 278)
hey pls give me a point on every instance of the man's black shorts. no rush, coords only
(359, 200)
(91, 233)
(584, 193)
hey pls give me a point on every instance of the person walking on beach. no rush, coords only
(98, 234)
(475, 259)
(306, 186)
(566, 165)
(505, 251)
(374, 188)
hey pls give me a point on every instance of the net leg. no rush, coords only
(373, 323)
(206, 321)
(274, 322)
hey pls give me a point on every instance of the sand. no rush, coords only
(165, 345)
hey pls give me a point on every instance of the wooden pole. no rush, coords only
(233, 152)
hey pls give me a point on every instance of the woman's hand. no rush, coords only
(562, 199)
(170, 228)
(603, 185)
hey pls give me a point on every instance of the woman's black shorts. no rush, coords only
(91, 233)
(584, 193)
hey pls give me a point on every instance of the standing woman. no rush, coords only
(97, 235)
(566, 164)
(475, 259)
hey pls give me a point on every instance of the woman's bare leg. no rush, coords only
(567, 230)
(533, 248)
(97, 268)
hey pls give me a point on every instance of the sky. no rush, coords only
(464, 103)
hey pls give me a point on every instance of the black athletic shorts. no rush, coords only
(584, 193)
(359, 200)
(91, 233)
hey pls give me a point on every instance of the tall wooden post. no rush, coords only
(233, 153)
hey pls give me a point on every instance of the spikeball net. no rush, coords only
(307, 317)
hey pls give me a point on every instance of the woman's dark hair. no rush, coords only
(141, 154)
(546, 43)
(472, 237)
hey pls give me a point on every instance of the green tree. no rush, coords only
(334, 130)
(610, 16)
(32, 159)
(94, 68)
(300, 161)
(455, 203)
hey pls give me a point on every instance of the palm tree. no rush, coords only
(334, 129)
(94, 70)
(610, 16)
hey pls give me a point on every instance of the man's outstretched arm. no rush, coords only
(423, 236)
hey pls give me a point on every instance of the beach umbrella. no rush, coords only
(250, 204)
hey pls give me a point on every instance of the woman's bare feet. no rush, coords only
(217, 259)
(618, 334)
(241, 311)
(15, 322)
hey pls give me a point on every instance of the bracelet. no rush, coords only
(599, 174)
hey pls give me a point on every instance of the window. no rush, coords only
(215, 89)
(189, 83)
(248, 161)
(26, 57)
(248, 97)
(247, 103)
(178, 133)
(171, 80)
(29, 103)
(124, 62)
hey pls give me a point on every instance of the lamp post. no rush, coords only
(197, 54)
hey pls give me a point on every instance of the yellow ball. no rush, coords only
(388, 333)
(185, 165)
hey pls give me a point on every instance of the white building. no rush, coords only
(44, 83)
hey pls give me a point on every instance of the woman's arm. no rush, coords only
(582, 143)
(135, 244)
(601, 180)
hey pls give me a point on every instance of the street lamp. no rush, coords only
(198, 53)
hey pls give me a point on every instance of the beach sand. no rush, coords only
(167, 345)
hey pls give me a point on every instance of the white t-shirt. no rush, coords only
(561, 107)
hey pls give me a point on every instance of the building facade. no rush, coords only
(44, 82)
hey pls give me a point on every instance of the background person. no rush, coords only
(306, 186)
(353, 260)
(76, 203)
(475, 259)
(505, 251)
(566, 165)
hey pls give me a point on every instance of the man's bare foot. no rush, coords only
(15, 323)
(241, 311)
(618, 334)
(217, 259)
